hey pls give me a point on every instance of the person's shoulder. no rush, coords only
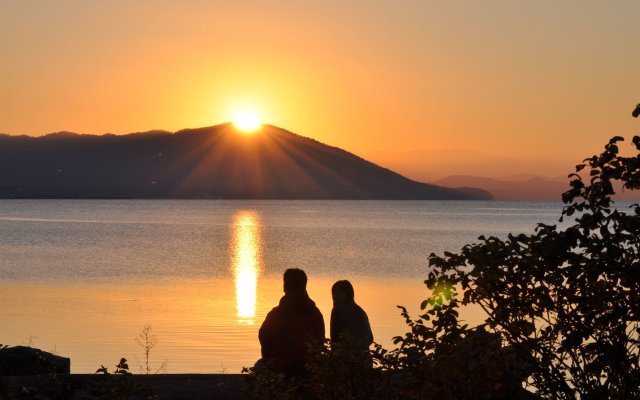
(360, 309)
(315, 309)
(274, 312)
(361, 312)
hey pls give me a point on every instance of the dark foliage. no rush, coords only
(565, 299)
(446, 360)
(122, 368)
(118, 385)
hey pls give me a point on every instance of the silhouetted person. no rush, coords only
(348, 320)
(291, 327)
(636, 112)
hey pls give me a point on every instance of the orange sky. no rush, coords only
(534, 80)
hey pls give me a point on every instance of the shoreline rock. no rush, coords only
(24, 360)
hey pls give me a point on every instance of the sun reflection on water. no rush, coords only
(247, 259)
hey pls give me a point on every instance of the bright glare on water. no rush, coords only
(82, 277)
(246, 263)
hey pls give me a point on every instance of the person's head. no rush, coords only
(342, 291)
(295, 280)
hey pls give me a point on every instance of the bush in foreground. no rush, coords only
(566, 300)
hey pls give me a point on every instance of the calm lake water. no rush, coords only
(83, 277)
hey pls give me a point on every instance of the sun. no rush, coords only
(246, 121)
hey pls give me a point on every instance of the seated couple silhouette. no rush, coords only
(296, 323)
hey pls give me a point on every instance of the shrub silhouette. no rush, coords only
(148, 340)
(566, 300)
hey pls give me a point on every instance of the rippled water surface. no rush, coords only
(82, 277)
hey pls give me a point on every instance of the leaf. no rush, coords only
(102, 370)
(616, 139)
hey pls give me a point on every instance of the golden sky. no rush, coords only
(536, 80)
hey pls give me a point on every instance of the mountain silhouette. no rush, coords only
(212, 162)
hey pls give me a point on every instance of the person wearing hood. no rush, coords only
(290, 327)
(348, 320)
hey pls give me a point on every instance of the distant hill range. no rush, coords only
(517, 187)
(528, 187)
(213, 162)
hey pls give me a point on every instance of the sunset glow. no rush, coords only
(247, 121)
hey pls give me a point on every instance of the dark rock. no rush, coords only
(23, 360)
